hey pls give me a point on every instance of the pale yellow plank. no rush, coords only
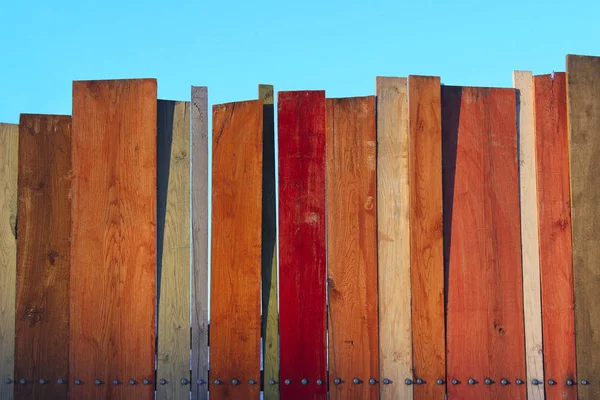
(9, 141)
(522, 80)
(173, 233)
(395, 336)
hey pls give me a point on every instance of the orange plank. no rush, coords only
(236, 251)
(485, 332)
(113, 247)
(556, 255)
(352, 248)
(426, 237)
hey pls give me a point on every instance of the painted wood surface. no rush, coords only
(199, 189)
(485, 332)
(302, 241)
(43, 256)
(270, 320)
(583, 104)
(426, 236)
(173, 250)
(113, 247)
(9, 148)
(393, 257)
(556, 256)
(532, 308)
(236, 250)
(352, 247)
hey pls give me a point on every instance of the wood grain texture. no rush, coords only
(270, 319)
(113, 247)
(426, 235)
(173, 248)
(583, 104)
(532, 308)
(393, 232)
(199, 189)
(302, 241)
(556, 256)
(43, 256)
(485, 332)
(9, 150)
(352, 247)
(236, 250)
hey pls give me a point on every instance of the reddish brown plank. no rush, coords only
(485, 333)
(236, 250)
(113, 251)
(556, 255)
(43, 257)
(301, 123)
(352, 247)
(426, 236)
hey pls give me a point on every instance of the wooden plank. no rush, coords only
(43, 256)
(583, 104)
(236, 250)
(532, 308)
(270, 320)
(113, 248)
(426, 236)
(199, 172)
(485, 332)
(302, 241)
(173, 249)
(9, 148)
(352, 247)
(556, 256)
(393, 232)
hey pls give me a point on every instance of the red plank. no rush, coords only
(485, 332)
(352, 248)
(301, 126)
(554, 208)
(236, 251)
(113, 242)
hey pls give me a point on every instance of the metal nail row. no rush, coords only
(505, 382)
(99, 382)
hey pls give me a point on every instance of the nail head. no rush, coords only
(471, 381)
(519, 381)
(551, 382)
(570, 382)
(235, 382)
(304, 381)
(440, 381)
(319, 382)
(372, 381)
(488, 381)
(8, 381)
(217, 382)
(420, 381)
(60, 381)
(116, 382)
(97, 382)
(201, 382)
(184, 381)
(22, 381)
(386, 381)
(585, 382)
(272, 382)
(146, 381)
(287, 382)
(42, 381)
(132, 382)
(77, 382)
(504, 381)
(455, 381)
(356, 381)
(337, 381)
(164, 382)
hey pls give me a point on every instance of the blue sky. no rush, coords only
(339, 46)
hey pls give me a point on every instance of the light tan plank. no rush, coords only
(395, 335)
(522, 80)
(173, 230)
(9, 148)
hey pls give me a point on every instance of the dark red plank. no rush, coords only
(556, 255)
(485, 332)
(301, 123)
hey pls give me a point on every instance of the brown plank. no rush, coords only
(199, 242)
(583, 104)
(113, 248)
(485, 332)
(9, 147)
(426, 236)
(352, 247)
(236, 250)
(43, 257)
(556, 256)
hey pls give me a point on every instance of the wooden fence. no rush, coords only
(431, 241)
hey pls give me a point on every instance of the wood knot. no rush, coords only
(52, 256)
(33, 315)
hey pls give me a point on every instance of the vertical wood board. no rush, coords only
(352, 247)
(583, 104)
(199, 170)
(113, 248)
(9, 148)
(393, 256)
(485, 332)
(173, 249)
(236, 250)
(302, 236)
(426, 236)
(556, 257)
